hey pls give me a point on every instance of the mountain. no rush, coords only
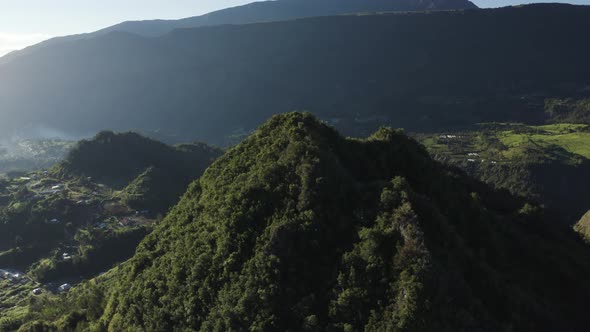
(118, 158)
(261, 11)
(150, 175)
(297, 228)
(86, 204)
(420, 71)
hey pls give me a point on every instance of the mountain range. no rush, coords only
(280, 10)
(414, 70)
(261, 11)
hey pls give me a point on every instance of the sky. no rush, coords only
(27, 22)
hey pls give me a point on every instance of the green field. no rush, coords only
(506, 142)
(569, 137)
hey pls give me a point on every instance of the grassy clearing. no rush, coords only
(571, 138)
(507, 142)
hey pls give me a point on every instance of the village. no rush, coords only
(461, 147)
(103, 208)
(77, 215)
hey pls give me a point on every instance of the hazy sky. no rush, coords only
(26, 22)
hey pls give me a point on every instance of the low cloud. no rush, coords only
(16, 41)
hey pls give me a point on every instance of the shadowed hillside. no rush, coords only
(420, 71)
(259, 11)
(118, 158)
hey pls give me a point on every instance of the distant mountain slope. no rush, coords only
(300, 229)
(261, 11)
(419, 71)
(266, 11)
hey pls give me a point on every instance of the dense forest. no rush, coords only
(297, 228)
(118, 158)
(419, 71)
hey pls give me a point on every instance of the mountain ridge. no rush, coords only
(259, 11)
(361, 70)
(291, 9)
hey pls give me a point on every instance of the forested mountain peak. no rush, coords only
(298, 228)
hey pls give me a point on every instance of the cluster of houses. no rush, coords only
(61, 289)
(444, 136)
(52, 190)
(483, 161)
(127, 222)
(475, 154)
(13, 277)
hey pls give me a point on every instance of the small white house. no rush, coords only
(37, 291)
(65, 288)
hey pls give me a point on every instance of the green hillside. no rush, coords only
(298, 228)
(156, 189)
(549, 164)
(574, 139)
(72, 222)
(118, 158)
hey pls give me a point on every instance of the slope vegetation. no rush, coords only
(118, 158)
(549, 164)
(298, 228)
